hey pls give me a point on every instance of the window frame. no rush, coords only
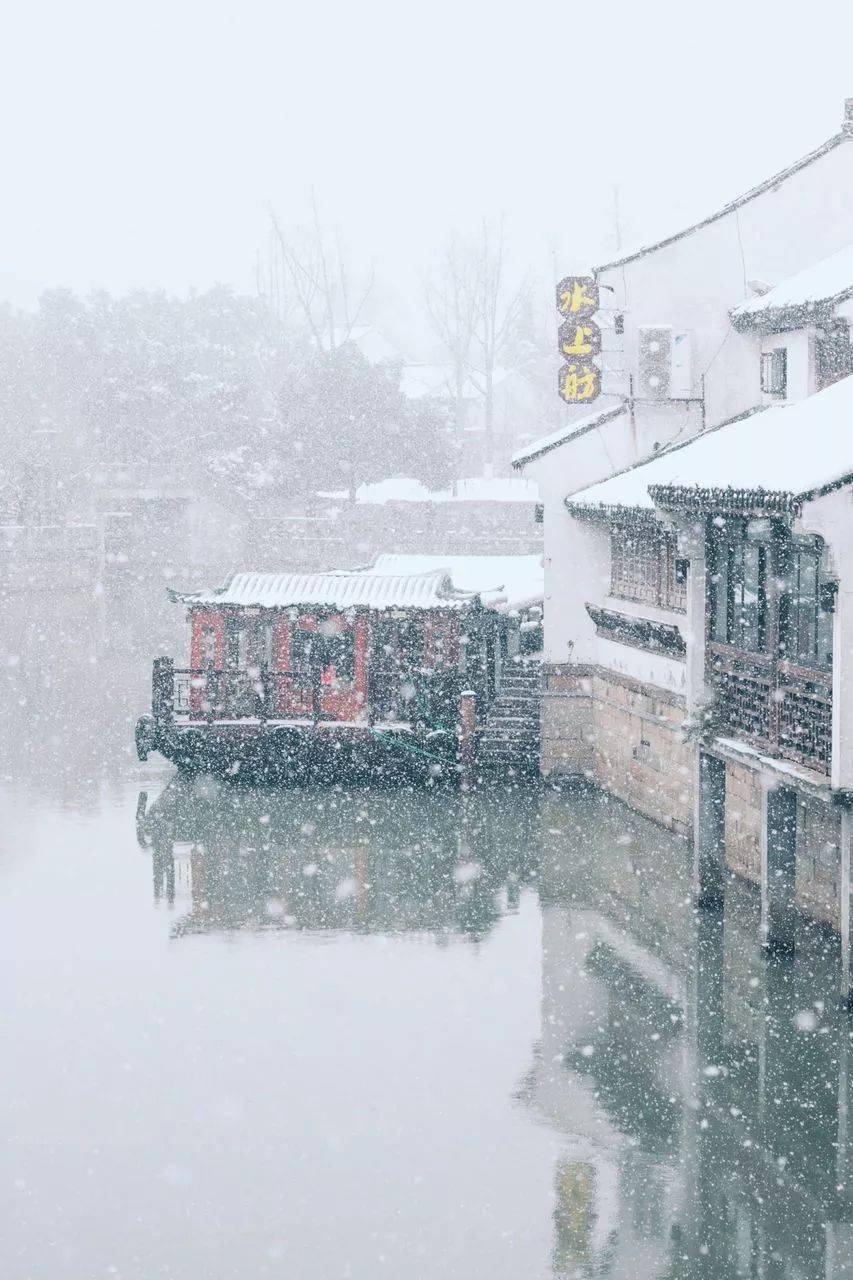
(663, 579)
(774, 370)
(799, 608)
(732, 543)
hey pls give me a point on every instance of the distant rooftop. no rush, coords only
(475, 489)
(778, 456)
(419, 381)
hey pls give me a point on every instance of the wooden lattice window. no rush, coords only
(774, 372)
(833, 355)
(645, 566)
(807, 605)
(739, 584)
(770, 639)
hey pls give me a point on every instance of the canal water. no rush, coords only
(415, 1034)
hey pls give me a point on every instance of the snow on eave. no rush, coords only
(611, 512)
(570, 432)
(767, 185)
(503, 582)
(770, 459)
(800, 299)
(337, 589)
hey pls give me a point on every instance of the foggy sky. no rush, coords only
(144, 143)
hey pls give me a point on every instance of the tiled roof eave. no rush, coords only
(785, 318)
(611, 513)
(200, 601)
(729, 500)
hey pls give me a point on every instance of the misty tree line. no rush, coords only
(243, 397)
(208, 391)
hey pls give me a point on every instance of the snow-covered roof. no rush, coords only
(781, 454)
(418, 381)
(827, 281)
(372, 344)
(475, 489)
(394, 489)
(339, 589)
(495, 489)
(503, 582)
(767, 185)
(572, 429)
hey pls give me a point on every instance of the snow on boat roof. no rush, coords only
(507, 582)
(794, 451)
(577, 428)
(338, 589)
(828, 280)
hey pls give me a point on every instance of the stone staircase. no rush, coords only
(509, 740)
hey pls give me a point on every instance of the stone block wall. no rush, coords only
(622, 736)
(743, 822)
(356, 534)
(629, 739)
(818, 843)
(818, 860)
(566, 722)
(640, 752)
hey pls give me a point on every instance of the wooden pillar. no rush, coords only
(163, 867)
(709, 833)
(467, 735)
(162, 691)
(778, 868)
(844, 901)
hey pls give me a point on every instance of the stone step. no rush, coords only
(510, 739)
(508, 750)
(516, 760)
(511, 724)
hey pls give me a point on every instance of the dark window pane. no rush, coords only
(750, 604)
(720, 595)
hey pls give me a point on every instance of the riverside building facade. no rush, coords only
(698, 655)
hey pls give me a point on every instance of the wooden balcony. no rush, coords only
(779, 707)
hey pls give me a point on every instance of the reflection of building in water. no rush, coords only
(702, 1088)
(363, 860)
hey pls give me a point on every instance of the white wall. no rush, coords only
(694, 282)
(832, 518)
(691, 284)
(799, 345)
(638, 664)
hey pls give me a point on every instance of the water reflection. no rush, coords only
(703, 1086)
(699, 1091)
(364, 860)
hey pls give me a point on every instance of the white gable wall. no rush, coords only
(691, 284)
(694, 282)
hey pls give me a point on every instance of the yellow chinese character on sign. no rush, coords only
(577, 296)
(579, 383)
(580, 343)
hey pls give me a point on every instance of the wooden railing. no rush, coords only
(779, 707)
(215, 694)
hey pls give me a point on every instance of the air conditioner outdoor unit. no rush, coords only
(655, 344)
